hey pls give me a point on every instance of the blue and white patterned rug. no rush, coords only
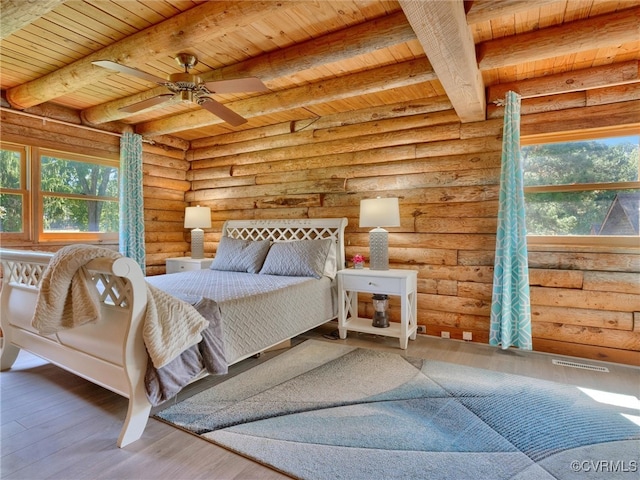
(329, 411)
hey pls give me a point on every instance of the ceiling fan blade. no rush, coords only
(129, 71)
(150, 102)
(236, 85)
(219, 110)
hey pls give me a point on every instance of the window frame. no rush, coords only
(24, 190)
(614, 241)
(33, 212)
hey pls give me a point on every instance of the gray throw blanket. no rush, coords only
(164, 383)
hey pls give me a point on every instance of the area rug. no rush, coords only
(329, 411)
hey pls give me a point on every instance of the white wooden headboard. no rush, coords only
(285, 230)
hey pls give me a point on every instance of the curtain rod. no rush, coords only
(64, 122)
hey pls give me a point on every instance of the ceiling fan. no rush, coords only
(188, 87)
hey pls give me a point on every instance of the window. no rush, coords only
(73, 197)
(583, 187)
(79, 195)
(14, 197)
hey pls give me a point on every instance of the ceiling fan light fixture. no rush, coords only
(189, 87)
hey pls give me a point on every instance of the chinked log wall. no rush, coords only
(446, 174)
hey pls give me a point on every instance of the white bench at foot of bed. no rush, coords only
(109, 352)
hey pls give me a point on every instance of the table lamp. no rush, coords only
(197, 218)
(378, 213)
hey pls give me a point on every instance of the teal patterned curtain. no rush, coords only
(131, 200)
(510, 307)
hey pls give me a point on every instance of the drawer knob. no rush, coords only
(371, 283)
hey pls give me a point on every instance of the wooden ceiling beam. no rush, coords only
(17, 14)
(198, 24)
(343, 44)
(362, 83)
(350, 42)
(443, 32)
(603, 31)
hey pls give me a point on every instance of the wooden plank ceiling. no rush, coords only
(315, 57)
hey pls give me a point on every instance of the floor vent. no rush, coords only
(584, 366)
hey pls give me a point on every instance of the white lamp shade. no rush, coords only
(197, 217)
(379, 212)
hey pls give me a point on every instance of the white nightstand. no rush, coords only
(403, 283)
(185, 264)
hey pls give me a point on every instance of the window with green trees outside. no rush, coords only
(78, 196)
(50, 195)
(584, 187)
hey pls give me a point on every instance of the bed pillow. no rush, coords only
(237, 255)
(299, 258)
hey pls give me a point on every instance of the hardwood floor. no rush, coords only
(58, 426)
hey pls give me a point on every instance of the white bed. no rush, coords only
(111, 351)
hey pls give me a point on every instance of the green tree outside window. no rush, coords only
(598, 165)
(78, 196)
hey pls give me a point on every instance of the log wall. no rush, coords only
(446, 175)
(164, 186)
(584, 302)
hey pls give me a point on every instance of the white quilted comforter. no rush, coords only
(258, 311)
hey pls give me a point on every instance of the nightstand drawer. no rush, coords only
(175, 265)
(373, 284)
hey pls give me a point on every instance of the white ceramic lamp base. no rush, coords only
(197, 243)
(378, 249)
